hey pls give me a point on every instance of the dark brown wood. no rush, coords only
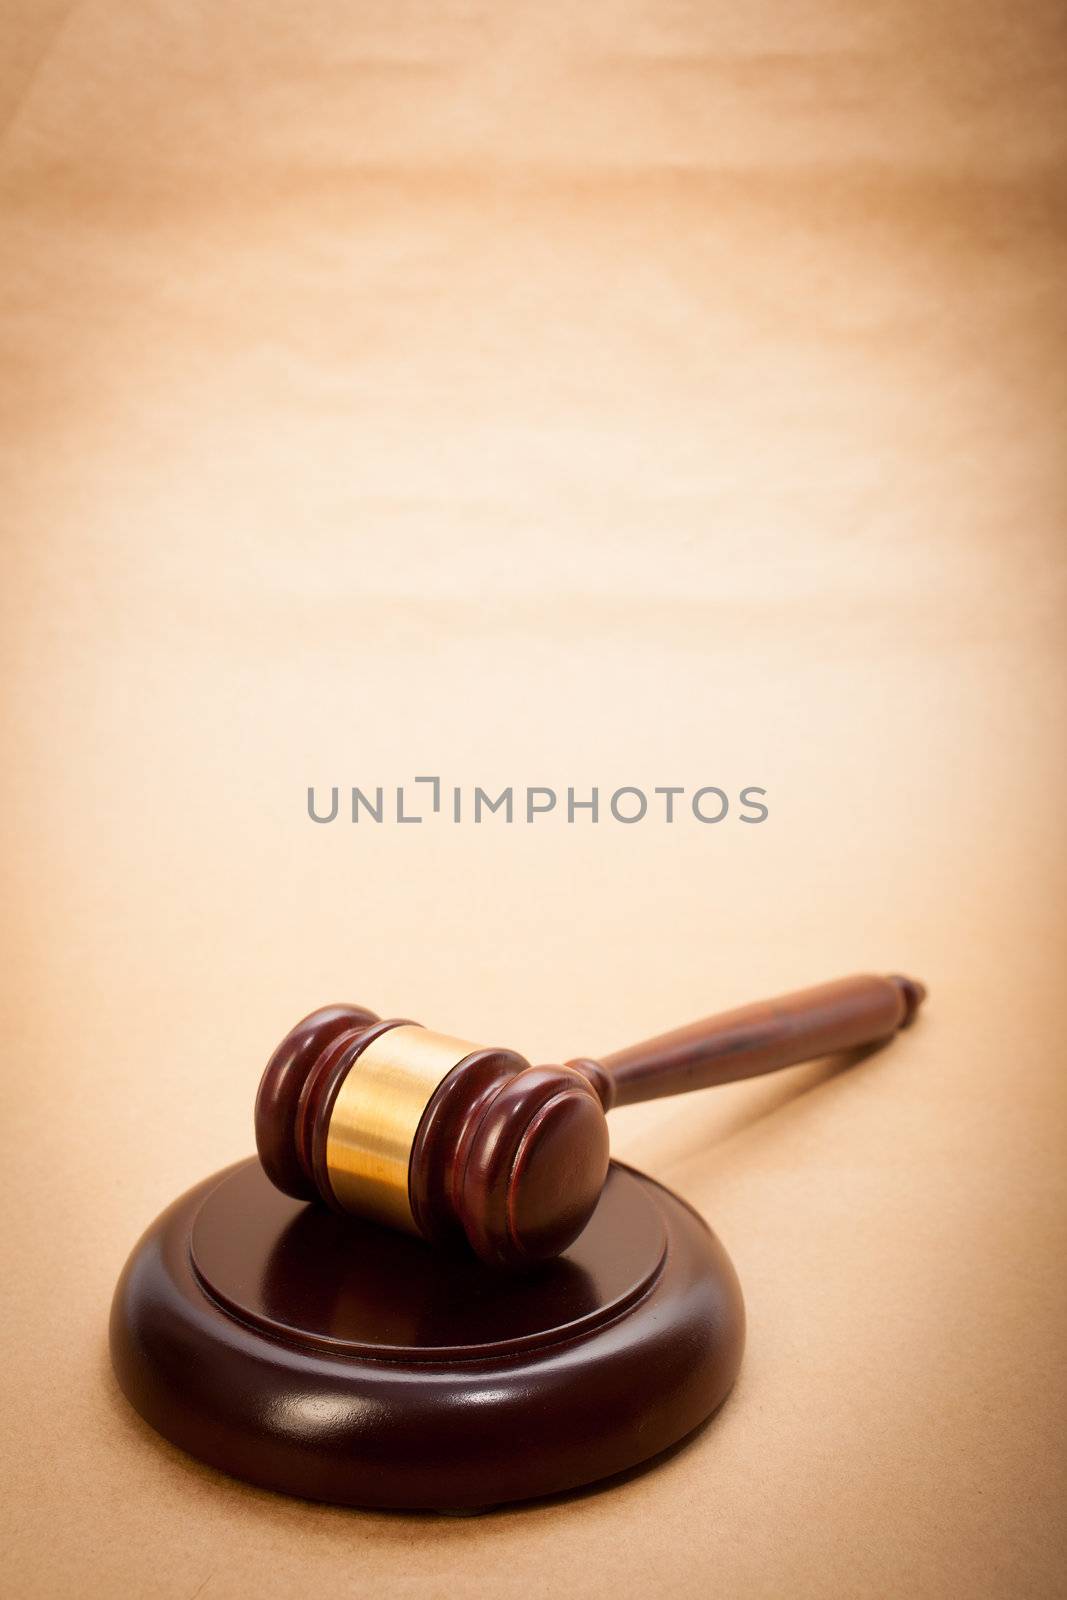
(760, 1038)
(278, 1103)
(318, 1354)
(511, 1157)
(535, 1166)
(324, 1357)
(444, 1138)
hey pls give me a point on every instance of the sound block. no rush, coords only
(328, 1358)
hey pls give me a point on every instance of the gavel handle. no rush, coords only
(756, 1039)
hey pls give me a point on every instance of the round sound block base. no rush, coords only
(327, 1358)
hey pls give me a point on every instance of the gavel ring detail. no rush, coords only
(453, 1141)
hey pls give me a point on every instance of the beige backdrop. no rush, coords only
(538, 393)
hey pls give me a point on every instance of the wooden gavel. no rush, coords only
(453, 1141)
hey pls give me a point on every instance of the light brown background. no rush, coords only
(629, 393)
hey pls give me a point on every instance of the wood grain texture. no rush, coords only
(847, 1014)
(511, 1158)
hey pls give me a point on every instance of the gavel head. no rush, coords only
(433, 1134)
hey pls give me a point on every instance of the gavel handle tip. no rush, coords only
(914, 994)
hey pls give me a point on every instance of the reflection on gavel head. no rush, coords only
(457, 1142)
(433, 1134)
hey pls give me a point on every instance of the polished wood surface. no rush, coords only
(761, 1038)
(281, 1103)
(512, 1157)
(332, 1359)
